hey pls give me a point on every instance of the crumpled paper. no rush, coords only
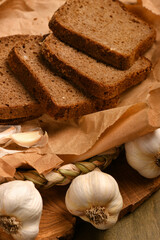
(137, 113)
(43, 159)
(153, 5)
(26, 16)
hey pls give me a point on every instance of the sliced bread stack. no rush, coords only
(99, 45)
(103, 29)
(97, 78)
(93, 55)
(59, 97)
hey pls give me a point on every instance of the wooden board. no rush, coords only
(134, 188)
(57, 222)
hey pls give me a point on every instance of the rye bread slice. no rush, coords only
(15, 100)
(98, 79)
(103, 29)
(60, 98)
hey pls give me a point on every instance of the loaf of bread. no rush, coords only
(98, 79)
(103, 29)
(59, 98)
(16, 103)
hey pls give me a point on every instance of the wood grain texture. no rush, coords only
(56, 221)
(134, 188)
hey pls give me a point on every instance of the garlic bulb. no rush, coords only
(95, 197)
(143, 154)
(20, 209)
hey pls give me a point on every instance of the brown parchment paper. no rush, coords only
(137, 113)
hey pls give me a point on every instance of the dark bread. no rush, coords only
(59, 97)
(15, 100)
(94, 77)
(103, 29)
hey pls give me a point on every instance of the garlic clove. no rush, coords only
(27, 139)
(95, 198)
(43, 140)
(24, 139)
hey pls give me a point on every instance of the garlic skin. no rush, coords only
(143, 154)
(7, 131)
(95, 197)
(32, 138)
(20, 209)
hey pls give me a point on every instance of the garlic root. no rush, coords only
(10, 224)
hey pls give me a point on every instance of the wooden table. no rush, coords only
(142, 224)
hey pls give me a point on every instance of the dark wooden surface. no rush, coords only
(142, 224)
